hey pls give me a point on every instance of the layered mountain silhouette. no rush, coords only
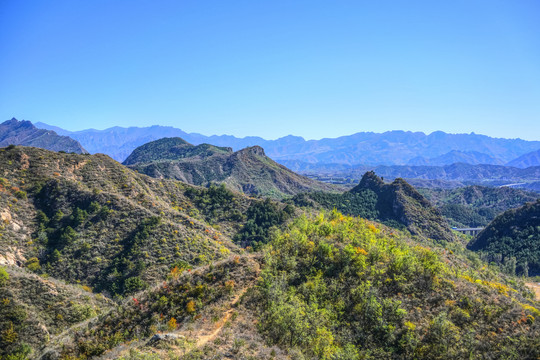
(15, 132)
(448, 176)
(456, 156)
(367, 148)
(527, 160)
(474, 206)
(248, 170)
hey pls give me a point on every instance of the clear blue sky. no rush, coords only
(271, 68)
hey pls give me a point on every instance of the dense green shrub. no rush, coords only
(513, 234)
(261, 217)
(215, 202)
(362, 203)
(4, 277)
(336, 287)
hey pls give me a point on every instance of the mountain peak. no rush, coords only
(248, 170)
(20, 124)
(15, 132)
(370, 181)
(401, 202)
(253, 150)
(174, 148)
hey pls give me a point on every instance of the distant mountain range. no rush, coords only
(15, 132)
(527, 160)
(449, 176)
(474, 206)
(364, 148)
(248, 170)
(456, 156)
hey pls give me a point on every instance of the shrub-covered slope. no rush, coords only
(34, 310)
(87, 218)
(184, 299)
(397, 204)
(329, 287)
(248, 170)
(513, 239)
(172, 149)
(476, 205)
(14, 132)
(335, 287)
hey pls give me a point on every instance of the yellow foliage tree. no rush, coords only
(190, 307)
(171, 324)
(9, 335)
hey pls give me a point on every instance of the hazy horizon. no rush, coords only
(310, 68)
(276, 138)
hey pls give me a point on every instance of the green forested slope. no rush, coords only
(172, 149)
(473, 206)
(168, 260)
(397, 204)
(87, 218)
(335, 287)
(329, 287)
(248, 170)
(513, 239)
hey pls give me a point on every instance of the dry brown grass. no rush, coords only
(535, 287)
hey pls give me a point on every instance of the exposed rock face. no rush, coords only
(12, 256)
(167, 337)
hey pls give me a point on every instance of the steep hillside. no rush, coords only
(513, 239)
(476, 205)
(397, 204)
(527, 160)
(176, 310)
(35, 309)
(88, 219)
(337, 287)
(14, 132)
(328, 287)
(248, 170)
(319, 285)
